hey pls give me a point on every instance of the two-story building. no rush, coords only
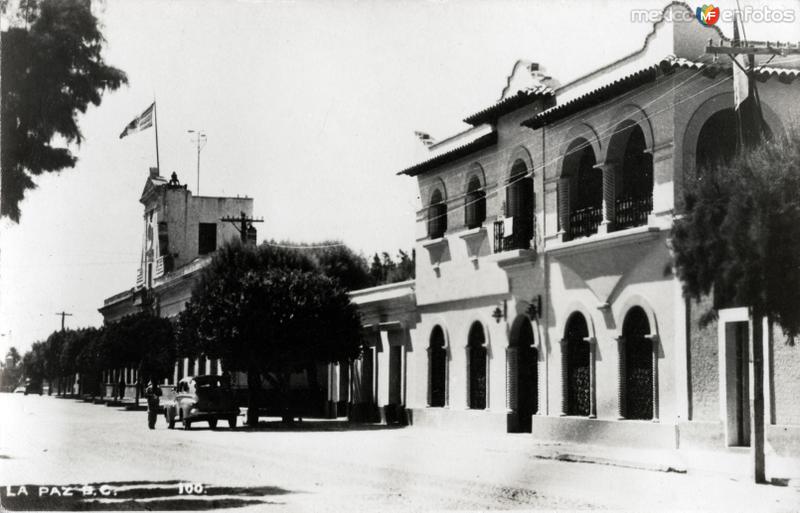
(179, 236)
(546, 299)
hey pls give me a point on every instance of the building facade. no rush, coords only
(180, 234)
(546, 299)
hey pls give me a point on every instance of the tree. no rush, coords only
(384, 270)
(13, 355)
(739, 240)
(144, 342)
(269, 311)
(339, 262)
(52, 69)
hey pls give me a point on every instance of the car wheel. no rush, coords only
(232, 422)
(212, 423)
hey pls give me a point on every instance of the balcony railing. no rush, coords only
(632, 212)
(520, 237)
(584, 221)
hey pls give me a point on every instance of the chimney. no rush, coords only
(153, 172)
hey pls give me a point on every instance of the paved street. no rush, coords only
(323, 466)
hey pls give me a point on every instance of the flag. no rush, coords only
(426, 139)
(140, 122)
(508, 226)
(741, 85)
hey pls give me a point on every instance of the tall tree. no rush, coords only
(144, 342)
(269, 311)
(739, 239)
(52, 69)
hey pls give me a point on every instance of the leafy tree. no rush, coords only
(52, 69)
(33, 364)
(141, 341)
(269, 311)
(90, 361)
(384, 269)
(343, 264)
(740, 234)
(739, 239)
(13, 355)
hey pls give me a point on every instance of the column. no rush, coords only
(621, 376)
(654, 340)
(564, 406)
(563, 208)
(592, 377)
(609, 170)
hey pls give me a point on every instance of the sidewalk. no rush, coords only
(733, 463)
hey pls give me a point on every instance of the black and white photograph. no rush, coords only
(413, 255)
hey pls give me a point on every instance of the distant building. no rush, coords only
(545, 298)
(180, 233)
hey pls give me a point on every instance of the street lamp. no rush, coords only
(200, 141)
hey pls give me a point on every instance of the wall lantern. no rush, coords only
(534, 310)
(499, 313)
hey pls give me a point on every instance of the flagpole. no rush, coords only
(155, 114)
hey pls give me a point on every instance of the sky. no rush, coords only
(309, 108)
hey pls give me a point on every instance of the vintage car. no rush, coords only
(201, 398)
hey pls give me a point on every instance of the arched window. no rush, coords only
(437, 370)
(519, 206)
(718, 141)
(638, 366)
(634, 188)
(522, 374)
(585, 190)
(577, 362)
(477, 360)
(437, 215)
(474, 204)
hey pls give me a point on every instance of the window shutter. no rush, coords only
(512, 378)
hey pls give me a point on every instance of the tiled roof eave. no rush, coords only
(493, 112)
(641, 77)
(480, 143)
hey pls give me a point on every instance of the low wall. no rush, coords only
(459, 420)
(623, 433)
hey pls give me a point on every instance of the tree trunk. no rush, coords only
(253, 389)
(286, 401)
(757, 438)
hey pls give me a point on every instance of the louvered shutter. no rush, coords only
(512, 378)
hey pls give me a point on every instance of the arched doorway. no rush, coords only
(585, 198)
(437, 215)
(437, 371)
(474, 204)
(519, 206)
(634, 180)
(476, 347)
(523, 376)
(578, 376)
(638, 365)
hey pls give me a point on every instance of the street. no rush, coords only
(322, 466)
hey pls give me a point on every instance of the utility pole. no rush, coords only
(63, 315)
(244, 224)
(200, 142)
(756, 347)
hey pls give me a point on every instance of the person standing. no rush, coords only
(121, 387)
(152, 393)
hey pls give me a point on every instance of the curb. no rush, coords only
(599, 460)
